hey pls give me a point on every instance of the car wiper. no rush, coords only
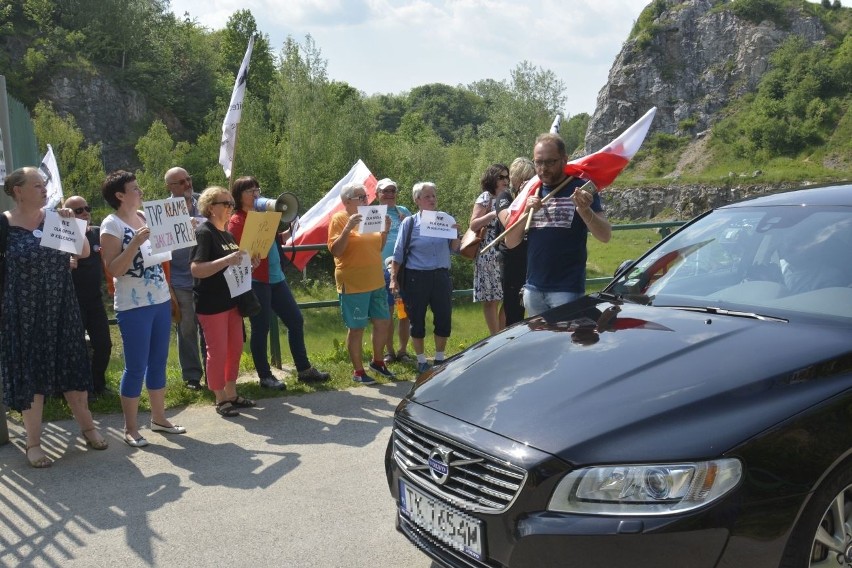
(629, 298)
(726, 312)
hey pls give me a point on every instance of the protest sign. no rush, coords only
(149, 258)
(170, 224)
(259, 232)
(63, 233)
(239, 277)
(438, 224)
(372, 218)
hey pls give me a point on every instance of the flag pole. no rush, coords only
(526, 217)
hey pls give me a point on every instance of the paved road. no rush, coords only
(297, 482)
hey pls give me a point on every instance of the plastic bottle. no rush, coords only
(400, 309)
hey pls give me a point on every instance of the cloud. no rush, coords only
(391, 46)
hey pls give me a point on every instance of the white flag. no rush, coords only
(50, 172)
(235, 111)
(557, 122)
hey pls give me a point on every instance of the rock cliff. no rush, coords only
(692, 61)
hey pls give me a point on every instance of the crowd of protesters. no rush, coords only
(52, 300)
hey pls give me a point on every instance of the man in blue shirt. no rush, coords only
(556, 242)
(388, 193)
(179, 184)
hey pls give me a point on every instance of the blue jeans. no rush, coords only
(536, 301)
(145, 335)
(279, 299)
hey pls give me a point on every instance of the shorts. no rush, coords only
(358, 309)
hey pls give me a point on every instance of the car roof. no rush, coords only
(837, 195)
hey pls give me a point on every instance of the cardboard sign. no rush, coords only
(239, 277)
(259, 232)
(170, 224)
(63, 233)
(438, 224)
(372, 218)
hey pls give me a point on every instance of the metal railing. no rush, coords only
(665, 228)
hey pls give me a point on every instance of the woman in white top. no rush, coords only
(142, 305)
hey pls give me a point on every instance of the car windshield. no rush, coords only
(779, 261)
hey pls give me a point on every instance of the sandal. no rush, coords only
(40, 462)
(101, 444)
(242, 402)
(389, 358)
(227, 408)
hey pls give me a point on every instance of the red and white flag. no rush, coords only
(313, 225)
(601, 167)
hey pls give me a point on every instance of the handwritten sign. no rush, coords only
(63, 233)
(259, 232)
(437, 224)
(239, 277)
(150, 258)
(372, 218)
(170, 224)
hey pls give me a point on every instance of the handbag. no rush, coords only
(248, 304)
(401, 270)
(470, 242)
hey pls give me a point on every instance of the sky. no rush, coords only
(392, 46)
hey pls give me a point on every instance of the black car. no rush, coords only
(696, 412)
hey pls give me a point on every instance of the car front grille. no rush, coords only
(476, 481)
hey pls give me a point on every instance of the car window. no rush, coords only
(764, 259)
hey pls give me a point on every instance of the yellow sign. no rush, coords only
(259, 232)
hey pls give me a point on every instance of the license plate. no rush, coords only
(446, 523)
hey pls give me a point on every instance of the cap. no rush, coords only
(386, 182)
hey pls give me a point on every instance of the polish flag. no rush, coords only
(312, 227)
(601, 167)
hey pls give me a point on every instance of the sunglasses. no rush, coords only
(79, 210)
(358, 197)
(388, 190)
(503, 177)
(229, 204)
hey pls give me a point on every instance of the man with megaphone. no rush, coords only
(271, 288)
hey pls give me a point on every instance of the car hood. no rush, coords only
(594, 382)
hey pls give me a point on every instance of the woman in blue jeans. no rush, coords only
(142, 306)
(274, 295)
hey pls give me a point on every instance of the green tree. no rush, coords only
(235, 37)
(158, 152)
(79, 163)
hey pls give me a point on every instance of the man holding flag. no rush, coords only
(556, 252)
(556, 242)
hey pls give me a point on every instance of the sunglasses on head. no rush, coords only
(79, 210)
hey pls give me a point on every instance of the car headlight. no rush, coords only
(658, 489)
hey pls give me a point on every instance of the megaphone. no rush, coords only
(287, 204)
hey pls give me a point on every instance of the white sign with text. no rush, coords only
(438, 224)
(63, 233)
(150, 258)
(170, 224)
(372, 218)
(239, 277)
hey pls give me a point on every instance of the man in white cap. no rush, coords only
(387, 191)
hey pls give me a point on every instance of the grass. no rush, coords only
(325, 340)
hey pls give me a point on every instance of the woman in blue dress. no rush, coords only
(42, 346)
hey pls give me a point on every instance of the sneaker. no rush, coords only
(271, 382)
(389, 358)
(364, 379)
(423, 367)
(193, 385)
(313, 375)
(404, 358)
(382, 369)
